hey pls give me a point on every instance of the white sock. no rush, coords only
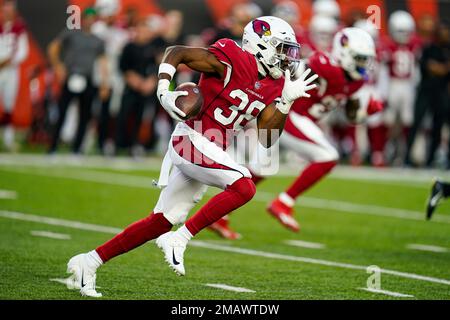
(94, 259)
(184, 234)
(286, 199)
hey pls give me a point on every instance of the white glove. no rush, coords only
(294, 89)
(167, 99)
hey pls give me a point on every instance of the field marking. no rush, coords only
(362, 209)
(388, 293)
(203, 244)
(229, 288)
(52, 235)
(426, 247)
(118, 179)
(127, 180)
(66, 281)
(393, 176)
(58, 222)
(305, 244)
(8, 194)
(270, 255)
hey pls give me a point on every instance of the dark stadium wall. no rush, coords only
(46, 18)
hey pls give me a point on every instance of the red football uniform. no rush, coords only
(332, 92)
(9, 38)
(231, 102)
(401, 58)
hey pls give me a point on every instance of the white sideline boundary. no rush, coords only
(217, 247)
(135, 181)
(229, 288)
(395, 176)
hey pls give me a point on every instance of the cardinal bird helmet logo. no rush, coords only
(261, 28)
(344, 40)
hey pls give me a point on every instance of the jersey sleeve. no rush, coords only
(233, 57)
(20, 27)
(321, 65)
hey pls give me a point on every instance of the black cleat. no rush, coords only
(435, 196)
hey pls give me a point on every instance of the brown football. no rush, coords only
(192, 103)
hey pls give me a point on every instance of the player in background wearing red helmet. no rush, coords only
(238, 85)
(341, 74)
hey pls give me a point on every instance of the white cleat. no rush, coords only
(173, 249)
(83, 276)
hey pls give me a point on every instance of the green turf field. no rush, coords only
(351, 223)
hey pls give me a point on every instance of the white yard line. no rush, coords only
(203, 244)
(426, 247)
(388, 293)
(65, 281)
(61, 280)
(229, 288)
(118, 179)
(134, 181)
(8, 194)
(270, 255)
(51, 235)
(305, 244)
(58, 222)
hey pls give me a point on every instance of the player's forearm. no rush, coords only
(54, 50)
(270, 125)
(198, 59)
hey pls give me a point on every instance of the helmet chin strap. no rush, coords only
(264, 71)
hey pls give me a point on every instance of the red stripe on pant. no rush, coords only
(290, 128)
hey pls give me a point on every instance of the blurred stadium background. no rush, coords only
(35, 112)
(357, 217)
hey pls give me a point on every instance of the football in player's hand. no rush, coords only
(192, 103)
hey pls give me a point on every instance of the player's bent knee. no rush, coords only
(326, 167)
(327, 155)
(176, 213)
(245, 187)
(334, 155)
